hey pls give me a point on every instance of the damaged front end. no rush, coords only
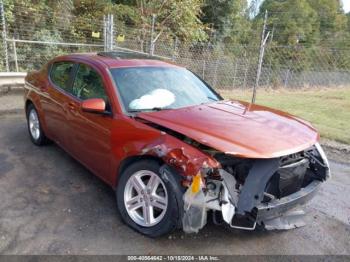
(245, 193)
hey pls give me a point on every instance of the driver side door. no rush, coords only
(89, 134)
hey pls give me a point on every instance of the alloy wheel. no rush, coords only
(34, 125)
(145, 198)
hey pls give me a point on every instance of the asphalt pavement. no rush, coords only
(50, 204)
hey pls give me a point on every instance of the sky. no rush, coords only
(346, 5)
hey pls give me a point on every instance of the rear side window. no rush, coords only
(60, 74)
(88, 84)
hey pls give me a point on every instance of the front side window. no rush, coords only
(88, 84)
(154, 88)
(60, 74)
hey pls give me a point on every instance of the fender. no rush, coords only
(33, 94)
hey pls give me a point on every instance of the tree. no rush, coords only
(334, 38)
(228, 19)
(331, 19)
(38, 21)
(294, 22)
(177, 17)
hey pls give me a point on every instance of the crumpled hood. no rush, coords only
(239, 129)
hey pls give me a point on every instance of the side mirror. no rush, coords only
(94, 105)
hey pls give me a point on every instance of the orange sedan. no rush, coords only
(172, 148)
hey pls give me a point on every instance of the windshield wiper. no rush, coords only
(149, 109)
(212, 98)
(158, 108)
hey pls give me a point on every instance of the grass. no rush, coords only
(327, 109)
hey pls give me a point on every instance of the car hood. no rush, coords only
(238, 128)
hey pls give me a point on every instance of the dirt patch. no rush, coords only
(336, 151)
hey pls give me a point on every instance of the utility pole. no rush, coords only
(261, 56)
(4, 35)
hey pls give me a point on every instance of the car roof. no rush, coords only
(119, 59)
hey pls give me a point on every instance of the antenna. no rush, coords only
(261, 57)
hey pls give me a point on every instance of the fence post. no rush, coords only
(261, 57)
(203, 69)
(234, 75)
(175, 49)
(4, 35)
(216, 71)
(15, 54)
(111, 32)
(286, 78)
(108, 26)
(104, 33)
(205, 58)
(151, 49)
(245, 76)
(108, 32)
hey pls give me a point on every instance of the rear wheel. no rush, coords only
(147, 203)
(36, 133)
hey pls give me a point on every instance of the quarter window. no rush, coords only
(60, 74)
(88, 84)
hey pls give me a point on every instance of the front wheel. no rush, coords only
(147, 202)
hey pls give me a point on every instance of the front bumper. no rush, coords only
(278, 207)
(285, 213)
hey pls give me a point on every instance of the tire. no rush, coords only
(168, 219)
(36, 133)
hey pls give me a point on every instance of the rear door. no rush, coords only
(58, 90)
(89, 134)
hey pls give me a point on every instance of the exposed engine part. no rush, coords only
(238, 167)
(217, 198)
(245, 193)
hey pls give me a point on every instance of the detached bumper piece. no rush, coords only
(270, 196)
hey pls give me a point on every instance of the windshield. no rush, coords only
(157, 88)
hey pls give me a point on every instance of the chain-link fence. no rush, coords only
(30, 37)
